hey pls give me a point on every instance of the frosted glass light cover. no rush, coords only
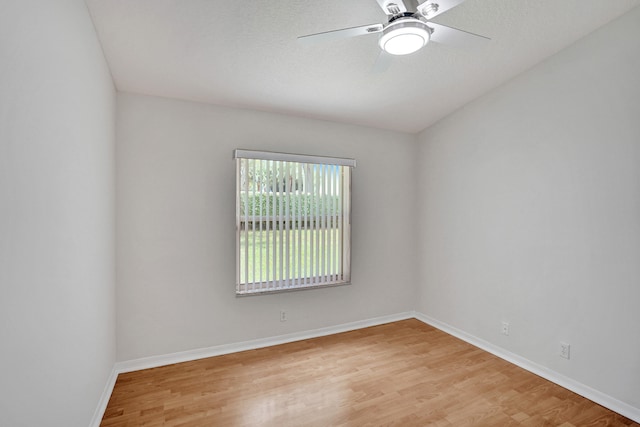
(404, 38)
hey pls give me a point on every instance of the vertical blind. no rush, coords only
(293, 221)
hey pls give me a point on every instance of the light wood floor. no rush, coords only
(404, 374)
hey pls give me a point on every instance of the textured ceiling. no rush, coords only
(245, 54)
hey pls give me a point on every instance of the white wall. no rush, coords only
(529, 202)
(176, 227)
(530, 206)
(57, 292)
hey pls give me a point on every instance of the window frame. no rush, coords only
(331, 196)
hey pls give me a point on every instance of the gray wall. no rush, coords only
(530, 213)
(57, 229)
(176, 226)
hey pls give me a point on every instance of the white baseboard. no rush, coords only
(596, 396)
(185, 356)
(104, 399)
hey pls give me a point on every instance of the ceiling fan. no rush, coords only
(409, 27)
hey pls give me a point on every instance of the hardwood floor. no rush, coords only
(404, 374)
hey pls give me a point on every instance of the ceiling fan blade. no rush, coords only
(340, 34)
(432, 8)
(454, 37)
(393, 7)
(383, 62)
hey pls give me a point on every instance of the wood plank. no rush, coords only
(403, 373)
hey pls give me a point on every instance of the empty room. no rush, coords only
(288, 213)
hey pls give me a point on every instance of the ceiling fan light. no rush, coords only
(405, 36)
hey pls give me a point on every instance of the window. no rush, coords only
(293, 222)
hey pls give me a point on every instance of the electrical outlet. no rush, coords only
(505, 328)
(283, 316)
(565, 350)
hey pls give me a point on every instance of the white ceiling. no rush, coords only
(245, 54)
